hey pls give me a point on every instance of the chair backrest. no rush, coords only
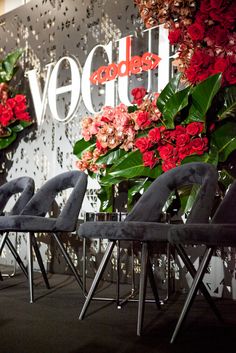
(150, 205)
(23, 186)
(226, 211)
(41, 203)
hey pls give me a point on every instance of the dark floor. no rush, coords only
(51, 324)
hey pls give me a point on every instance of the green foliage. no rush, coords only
(8, 65)
(205, 102)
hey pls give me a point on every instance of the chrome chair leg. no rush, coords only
(39, 259)
(202, 287)
(97, 277)
(193, 291)
(30, 267)
(68, 260)
(142, 287)
(17, 257)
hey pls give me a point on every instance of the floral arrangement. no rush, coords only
(192, 119)
(13, 108)
(155, 134)
(204, 32)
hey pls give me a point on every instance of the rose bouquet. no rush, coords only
(155, 134)
(13, 108)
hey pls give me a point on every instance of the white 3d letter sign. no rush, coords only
(113, 75)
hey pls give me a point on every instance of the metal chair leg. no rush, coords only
(68, 260)
(193, 291)
(97, 277)
(142, 287)
(30, 267)
(17, 257)
(153, 283)
(202, 287)
(39, 259)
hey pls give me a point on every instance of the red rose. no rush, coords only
(184, 151)
(220, 65)
(143, 120)
(166, 151)
(6, 115)
(167, 165)
(143, 144)
(138, 93)
(196, 31)
(230, 75)
(154, 135)
(149, 159)
(23, 116)
(20, 98)
(199, 145)
(194, 128)
(221, 36)
(182, 140)
(174, 36)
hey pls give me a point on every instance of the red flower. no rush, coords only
(168, 164)
(143, 119)
(184, 151)
(166, 151)
(174, 36)
(143, 144)
(138, 93)
(154, 135)
(6, 115)
(194, 128)
(196, 31)
(230, 75)
(220, 65)
(149, 159)
(182, 140)
(23, 116)
(199, 145)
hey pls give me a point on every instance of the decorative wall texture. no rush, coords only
(49, 30)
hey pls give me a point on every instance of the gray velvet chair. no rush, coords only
(143, 223)
(220, 233)
(35, 216)
(22, 189)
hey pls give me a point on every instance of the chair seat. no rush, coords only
(136, 231)
(27, 224)
(207, 234)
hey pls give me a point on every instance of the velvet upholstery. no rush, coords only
(23, 186)
(35, 216)
(23, 189)
(150, 205)
(221, 232)
(214, 233)
(143, 222)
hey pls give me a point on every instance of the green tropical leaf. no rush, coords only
(176, 103)
(139, 185)
(21, 126)
(8, 65)
(105, 195)
(6, 141)
(224, 138)
(170, 89)
(111, 156)
(202, 96)
(225, 178)
(229, 105)
(131, 166)
(82, 146)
